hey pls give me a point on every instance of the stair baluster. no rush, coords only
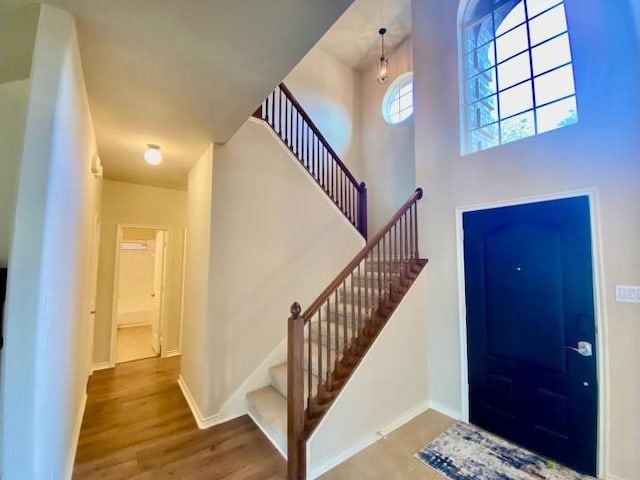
(310, 147)
(339, 333)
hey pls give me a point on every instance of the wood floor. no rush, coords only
(138, 426)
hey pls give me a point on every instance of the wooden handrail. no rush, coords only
(330, 346)
(293, 125)
(313, 308)
(324, 141)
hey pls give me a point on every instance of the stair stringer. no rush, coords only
(387, 389)
(312, 181)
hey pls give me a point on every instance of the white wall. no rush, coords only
(195, 365)
(388, 388)
(601, 151)
(45, 357)
(387, 150)
(135, 284)
(329, 92)
(276, 238)
(13, 111)
(128, 203)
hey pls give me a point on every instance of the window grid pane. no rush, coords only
(397, 104)
(557, 114)
(518, 73)
(548, 25)
(535, 7)
(551, 54)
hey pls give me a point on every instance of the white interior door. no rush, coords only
(158, 289)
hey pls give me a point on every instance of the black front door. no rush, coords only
(529, 299)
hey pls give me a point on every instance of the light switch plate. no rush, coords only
(628, 293)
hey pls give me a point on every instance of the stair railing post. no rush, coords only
(362, 209)
(296, 449)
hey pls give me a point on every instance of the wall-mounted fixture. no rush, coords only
(383, 63)
(96, 166)
(152, 155)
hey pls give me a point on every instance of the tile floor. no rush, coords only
(134, 343)
(392, 458)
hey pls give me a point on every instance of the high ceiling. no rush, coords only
(354, 38)
(183, 73)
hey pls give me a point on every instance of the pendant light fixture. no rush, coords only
(383, 64)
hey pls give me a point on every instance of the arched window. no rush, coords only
(517, 71)
(397, 104)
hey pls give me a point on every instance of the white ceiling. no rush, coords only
(354, 38)
(183, 73)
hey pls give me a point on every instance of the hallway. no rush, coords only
(138, 426)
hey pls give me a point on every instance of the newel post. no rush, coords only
(362, 209)
(296, 448)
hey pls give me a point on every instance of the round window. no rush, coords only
(397, 104)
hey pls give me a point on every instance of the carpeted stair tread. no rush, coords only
(268, 408)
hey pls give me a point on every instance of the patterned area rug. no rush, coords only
(465, 452)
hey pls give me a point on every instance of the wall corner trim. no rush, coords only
(202, 421)
(324, 466)
(171, 353)
(445, 410)
(73, 447)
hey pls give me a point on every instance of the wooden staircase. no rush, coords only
(328, 340)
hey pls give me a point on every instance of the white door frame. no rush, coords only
(116, 286)
(602, 357)
(93, 286)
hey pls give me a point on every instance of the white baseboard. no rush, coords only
(445, 410)
(73, 447)
(316, 471)
(202, 421)
(405, 418)
(133, 324)
(324, 466)
(101, 366)
(171, 353)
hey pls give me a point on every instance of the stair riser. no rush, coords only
(279, 382)
(322, 339)
(358, 294)
(350, 313)
(381, 266)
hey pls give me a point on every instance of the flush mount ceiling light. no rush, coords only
(152, 155)
(383, 63)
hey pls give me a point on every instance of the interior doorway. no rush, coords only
(139, 293)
